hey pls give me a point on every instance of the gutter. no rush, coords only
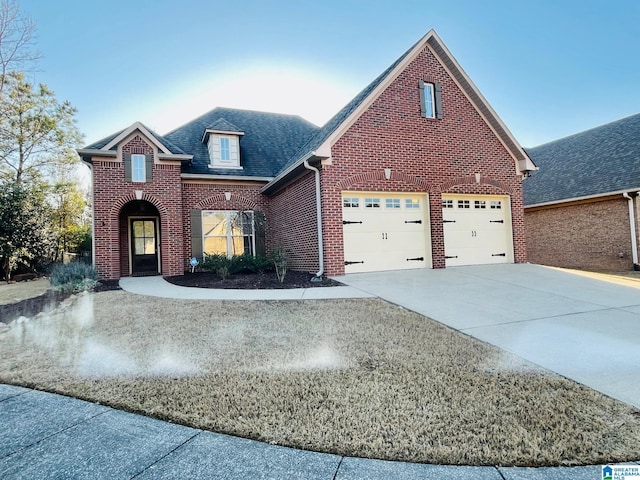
(318, 275)
(632, 226)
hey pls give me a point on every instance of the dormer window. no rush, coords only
(223, 142)
(224, 151)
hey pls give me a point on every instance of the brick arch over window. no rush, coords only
(378, 176)
(219, 201)
(487, 184)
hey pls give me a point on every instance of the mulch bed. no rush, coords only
(264, 281)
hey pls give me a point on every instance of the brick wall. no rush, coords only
(424, 155)
(111, 194)
(293, 224)
(591, 236)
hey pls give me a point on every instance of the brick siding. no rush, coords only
(111, 195)
(424, 155)
(593, 235)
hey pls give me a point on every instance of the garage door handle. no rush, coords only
(448, 221)
(351, 263)
(347, 222)
(450, 256)
(413, 221)
(498, 254)
(418, 259)
(496, 221)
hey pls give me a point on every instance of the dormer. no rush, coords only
(223, 142)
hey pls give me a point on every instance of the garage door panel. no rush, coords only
(392, 236)
(477, 229)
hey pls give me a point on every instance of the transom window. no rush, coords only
(138, 170)
(228, 233)
(392, 203)
(371, 203)
(411, 203)
(495, 204)
(479, 204)
(351, 202)
(447, 203)
(464, 204)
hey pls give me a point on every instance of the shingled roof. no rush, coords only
(595, 162)
(269, 141)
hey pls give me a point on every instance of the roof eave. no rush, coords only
(290, 173)
(583, 198)
(87, 154)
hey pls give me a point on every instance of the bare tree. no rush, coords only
(17, 39)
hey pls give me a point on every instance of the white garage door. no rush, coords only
(477, 229)
(385, 231)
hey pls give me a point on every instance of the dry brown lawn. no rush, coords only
(14, 292)
(352, 377)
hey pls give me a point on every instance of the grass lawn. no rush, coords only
(352, 377)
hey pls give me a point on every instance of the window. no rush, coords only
(463, 204)
(351, 202)
(479, 204)
(495, 204)
(371, 203)
(228, 232)
(138, 170)
(447, 203)
(430, 100)
(144, 237)
(412, 203)
(225, 154)
(224, 151)
(392, 203)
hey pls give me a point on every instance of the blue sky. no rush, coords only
(549, 68)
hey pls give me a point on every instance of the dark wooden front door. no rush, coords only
(144, 246)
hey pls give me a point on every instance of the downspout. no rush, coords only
(318, 275)
(632, 226)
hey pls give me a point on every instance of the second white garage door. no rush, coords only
(384, 231)
(477, 229)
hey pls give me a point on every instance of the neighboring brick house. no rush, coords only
(581, 208)
(417, 171)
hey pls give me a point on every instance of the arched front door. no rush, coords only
(140, 239)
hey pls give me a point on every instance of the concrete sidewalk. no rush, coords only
(43, 435)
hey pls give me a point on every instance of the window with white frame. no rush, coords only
(138, 168)
(392, 203)
(224, 151)
(495, 205)
(447, 203)
(351, 202)
(482, 204)
(412, 203)
(228, 232)
(430, 99)
(464, 204)
(371, 203)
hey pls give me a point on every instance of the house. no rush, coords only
(417, 171)
(581, 207)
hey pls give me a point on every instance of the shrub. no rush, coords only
(74, 276)
(245, 263)
(279, 259)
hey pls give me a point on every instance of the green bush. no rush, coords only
(74, 276)
(245, 263)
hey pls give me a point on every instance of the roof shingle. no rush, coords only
(597, 161)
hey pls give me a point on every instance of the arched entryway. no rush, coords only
(140, 235)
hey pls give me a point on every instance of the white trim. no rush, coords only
(225, 167)
(209, 131)
(585, 197)
(632, 227)
(128, 131)
(207, 176)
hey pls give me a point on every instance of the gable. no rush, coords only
(319, 146)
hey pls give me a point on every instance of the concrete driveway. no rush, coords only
(582, 328)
